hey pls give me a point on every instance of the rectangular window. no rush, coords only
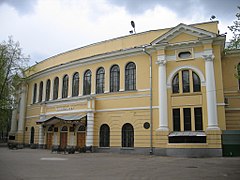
(187, 119)
(198, 119)
(176, 119)
(185, 81)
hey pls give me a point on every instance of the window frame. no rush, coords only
(114, 78)
(87, 78)
(130, 76)
(48, 90)
(100, 80)
(75, 84)
(65, 82)
(104, 136)
(127, 136)
(55, 88)
(34, 93)
(40, 95)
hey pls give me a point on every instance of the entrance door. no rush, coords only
(32, 136)
(81, 137)
(63, 137)
(49, 140)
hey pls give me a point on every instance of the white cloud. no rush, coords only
(57, 26)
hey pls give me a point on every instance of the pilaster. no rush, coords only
(162, 92)
(90, 124)
(211, 91)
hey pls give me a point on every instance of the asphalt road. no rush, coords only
(34, 164)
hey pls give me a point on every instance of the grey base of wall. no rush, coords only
(177, 152)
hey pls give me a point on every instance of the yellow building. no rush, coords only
(168, 92)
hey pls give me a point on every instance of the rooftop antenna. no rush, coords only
(133, 25)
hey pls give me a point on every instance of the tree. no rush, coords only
(235, 29)
(12, 65)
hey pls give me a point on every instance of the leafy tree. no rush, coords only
(235, 29)
(12, 65)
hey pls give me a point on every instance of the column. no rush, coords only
(70, 86)
(162, 86)
(14, 121)
(211, 92)
(60, 88)
(106, 81)
(90, 123)
(80, 84)
(93, 83)
(41, 137)
(51, 89)
(44, 91)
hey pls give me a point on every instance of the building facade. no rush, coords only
(168, 92)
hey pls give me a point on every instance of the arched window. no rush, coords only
(55, 88)
(130, 76)
(40, 92)
(196, 83)
(104, 136)
(64, 129)
(87, 82)
(114, 78)
(65, 87)
(188, 86)
(127, 135)
(238, 75)
(175, 84)
(75, 84)
(48, 88)
(81, 128)
(35, 93)
(32, 135)
(100, 80)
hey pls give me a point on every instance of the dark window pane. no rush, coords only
(127, 135)
(87, 83)
(187, 119)
(48, 88)
(65, 87)
(185, 81)
(35, 93)
(55, 88)
(114, 78)
(196, 83)
(130, 77)
(75, 84)
(40, 92)
(187, 139)
(176, 119)
(104, 136)
(198, 119)
(175, 84)
(100, 80)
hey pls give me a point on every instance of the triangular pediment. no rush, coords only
(183, 32)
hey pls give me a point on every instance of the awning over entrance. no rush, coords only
(70, 119)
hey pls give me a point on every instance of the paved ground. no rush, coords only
(32, 164)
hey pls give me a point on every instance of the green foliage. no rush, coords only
(235, 29)
(12, 65)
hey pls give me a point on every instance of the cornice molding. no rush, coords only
(89, 60)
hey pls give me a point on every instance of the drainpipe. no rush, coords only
(151, 110)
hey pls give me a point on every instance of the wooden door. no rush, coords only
(81, 139)
(49, 140)
(63, 140)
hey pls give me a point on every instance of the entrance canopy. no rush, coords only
(70, 119)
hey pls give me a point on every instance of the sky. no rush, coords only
(45, 28)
